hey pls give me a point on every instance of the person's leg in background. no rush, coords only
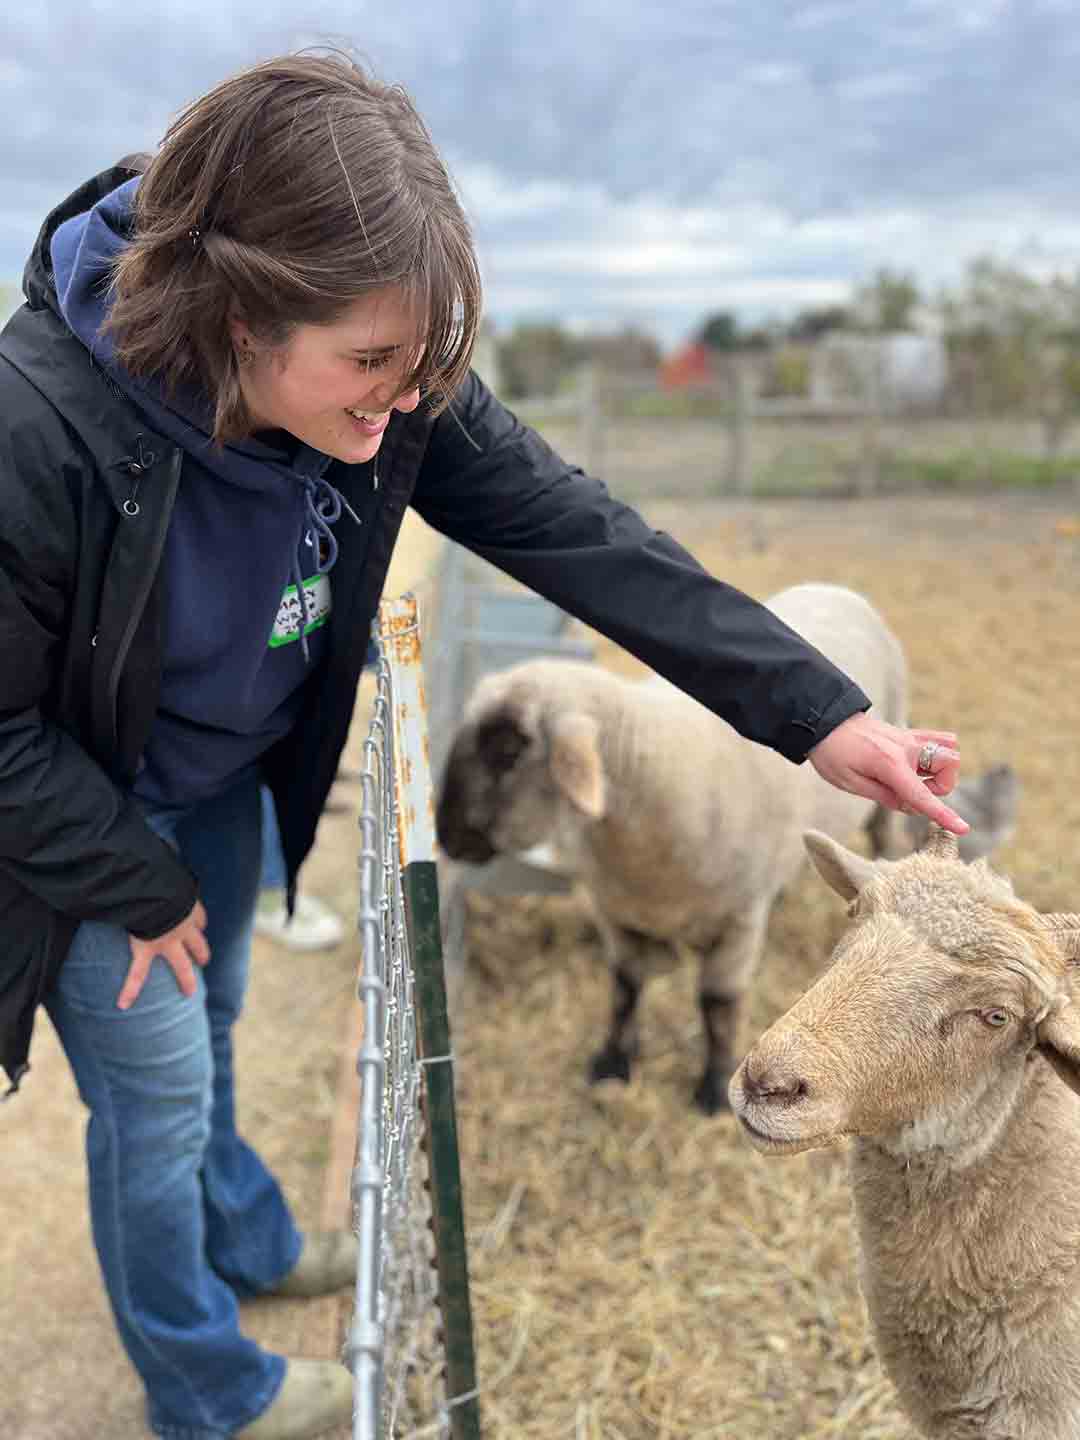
(345, 772)
(313, 925)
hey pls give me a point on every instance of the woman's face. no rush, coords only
(334, 386)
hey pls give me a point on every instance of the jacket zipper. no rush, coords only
(132, 509)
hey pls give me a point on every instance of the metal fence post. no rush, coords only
(422, 912)
(399, 625)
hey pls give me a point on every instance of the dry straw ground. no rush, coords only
(639, 1274)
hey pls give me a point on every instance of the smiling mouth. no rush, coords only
(373, 424)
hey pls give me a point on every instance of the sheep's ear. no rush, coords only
(575, 763)
(1059, 1042)
(1066, 931)
(845, 872)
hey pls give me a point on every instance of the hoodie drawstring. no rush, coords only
(322, 507)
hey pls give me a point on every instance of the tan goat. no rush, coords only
(940, 1038)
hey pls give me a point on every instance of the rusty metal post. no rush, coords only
(399, 628)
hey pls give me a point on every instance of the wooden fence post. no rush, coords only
(868, 477)
(592, 420)
(741, 471)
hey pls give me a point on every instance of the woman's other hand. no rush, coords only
(182, 948)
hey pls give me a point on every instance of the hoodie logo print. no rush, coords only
(290, 613)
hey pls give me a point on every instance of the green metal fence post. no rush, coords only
(422, 913)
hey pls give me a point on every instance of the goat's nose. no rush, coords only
(766, 1081)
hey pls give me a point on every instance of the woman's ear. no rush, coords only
(239, 331)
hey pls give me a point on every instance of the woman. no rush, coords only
(232, 374)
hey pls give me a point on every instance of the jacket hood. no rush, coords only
(39, 285)
(83, 245)
(73, 262)
(83, 248)
(40, 344)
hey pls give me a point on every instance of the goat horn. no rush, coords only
(942, 844)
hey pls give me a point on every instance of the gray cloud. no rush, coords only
(809, 141)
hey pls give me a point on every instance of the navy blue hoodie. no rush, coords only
(251, 521)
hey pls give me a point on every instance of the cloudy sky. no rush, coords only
(635, 161)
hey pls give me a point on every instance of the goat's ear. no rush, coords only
(1066, 931)
(845, 872)
(575, 763)
(1059, 1042)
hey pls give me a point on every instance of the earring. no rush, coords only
(245, 355)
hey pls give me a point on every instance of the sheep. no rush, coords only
(939, 1039)
(681, 832)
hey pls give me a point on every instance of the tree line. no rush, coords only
(1012, 341)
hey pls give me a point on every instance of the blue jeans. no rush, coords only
(273, 861)
(185, 1216)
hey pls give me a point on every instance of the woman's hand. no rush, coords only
(182, 947)
(870, 757)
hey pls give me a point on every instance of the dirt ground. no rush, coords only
(638, 1272)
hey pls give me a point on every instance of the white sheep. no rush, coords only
(939, 1039)
(681, 832)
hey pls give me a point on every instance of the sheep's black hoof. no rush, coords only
(611, 1063)
(711, 1094)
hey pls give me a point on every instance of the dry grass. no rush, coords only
(691, 458)
(638, 1271)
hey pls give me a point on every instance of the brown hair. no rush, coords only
(291, 190)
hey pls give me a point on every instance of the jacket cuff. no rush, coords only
(802, 735)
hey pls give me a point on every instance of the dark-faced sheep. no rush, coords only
(681, 831)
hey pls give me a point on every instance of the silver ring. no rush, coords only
(925, 762)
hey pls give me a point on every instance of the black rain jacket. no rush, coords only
(86, 492)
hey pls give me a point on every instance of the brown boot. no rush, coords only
(327, 1263)
(315, 1396)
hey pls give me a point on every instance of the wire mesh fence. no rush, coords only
(480, 622)
(410, 1344)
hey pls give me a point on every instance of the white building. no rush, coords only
(896, 371)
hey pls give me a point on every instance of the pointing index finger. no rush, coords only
(918, 798)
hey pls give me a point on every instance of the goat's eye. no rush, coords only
(995, 1018)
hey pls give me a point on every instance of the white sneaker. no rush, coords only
(314, 926)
